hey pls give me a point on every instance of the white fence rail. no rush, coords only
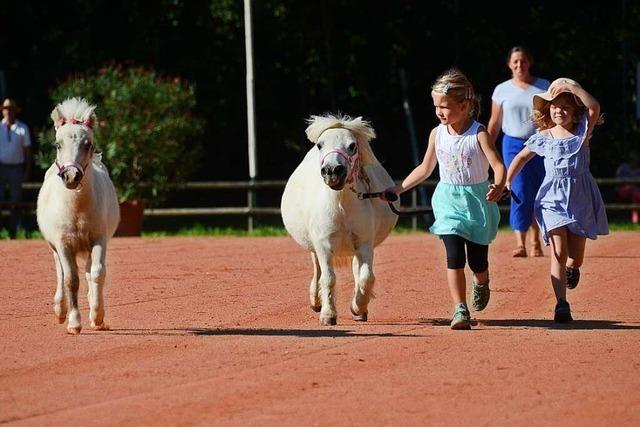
(257, 211)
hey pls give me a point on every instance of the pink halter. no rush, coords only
(65, 166)
(352, 160)
(62, 168)
(88, 122)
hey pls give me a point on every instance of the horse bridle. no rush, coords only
(354, 165)
(353, 160)
(65, 166)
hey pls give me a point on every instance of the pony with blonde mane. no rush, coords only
(322, 209)
(77, 213)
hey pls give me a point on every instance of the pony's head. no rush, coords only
(73, 120)
(344, 147)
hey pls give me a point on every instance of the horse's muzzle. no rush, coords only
(71, 178)
(334, 176)
(71, 173)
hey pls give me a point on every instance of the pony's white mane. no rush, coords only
(96, 159)
(360, 128)
(73, 108)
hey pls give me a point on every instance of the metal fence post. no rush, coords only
(251, 202)
(414, 204)
(251, 115)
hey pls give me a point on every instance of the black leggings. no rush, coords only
(476, 254)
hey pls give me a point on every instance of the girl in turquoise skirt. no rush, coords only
(464, 202)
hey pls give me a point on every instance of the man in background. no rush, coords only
(15, 162)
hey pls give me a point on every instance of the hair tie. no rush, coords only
(88, 122)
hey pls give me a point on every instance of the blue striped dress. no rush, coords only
(569, 195)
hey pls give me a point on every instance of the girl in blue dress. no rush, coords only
(464, 200)
(568, 207)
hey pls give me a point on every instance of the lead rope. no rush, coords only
(362, 175)
(392, 197)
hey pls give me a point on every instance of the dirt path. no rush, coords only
(217, 331)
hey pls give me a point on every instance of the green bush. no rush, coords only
(145, 130)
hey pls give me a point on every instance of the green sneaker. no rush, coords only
(481, 295)
(461, 317)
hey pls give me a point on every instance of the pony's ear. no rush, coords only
(90, 121)
(362, 128)
(58, 119)
(313, 132)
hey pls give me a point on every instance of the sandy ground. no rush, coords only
(218, 331)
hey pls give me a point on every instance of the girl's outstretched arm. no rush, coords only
(489, 150)
(422, 171)
(518, 163)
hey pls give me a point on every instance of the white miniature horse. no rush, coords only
(322, 210)
(77, 212)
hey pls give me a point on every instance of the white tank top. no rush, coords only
(460, 158)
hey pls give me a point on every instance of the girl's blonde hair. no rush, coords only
(457, 86)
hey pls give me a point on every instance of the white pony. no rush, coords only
(77, 212)
(322, 211)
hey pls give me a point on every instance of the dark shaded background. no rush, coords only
(325, 55)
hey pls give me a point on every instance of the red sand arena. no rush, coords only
(218, 331)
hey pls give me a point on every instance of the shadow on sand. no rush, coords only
(347, 333)
(540, 323)
(257, 332)
(302, 333)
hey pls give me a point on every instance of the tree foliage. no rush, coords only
(329, 55)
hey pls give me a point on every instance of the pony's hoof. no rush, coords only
(60, 313)
(328, 321)
(359, 317)
(74, 331)
(316, 308)
(101, 327)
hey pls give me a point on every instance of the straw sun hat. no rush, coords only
(541, 100)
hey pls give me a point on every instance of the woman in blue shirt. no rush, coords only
(511, 114)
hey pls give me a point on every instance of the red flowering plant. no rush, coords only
(146, 130)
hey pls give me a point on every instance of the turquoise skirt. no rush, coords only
(464, 210)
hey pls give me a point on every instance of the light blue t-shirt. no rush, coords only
(516, 106)
(12, 143)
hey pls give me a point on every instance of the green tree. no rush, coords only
(146, 131)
